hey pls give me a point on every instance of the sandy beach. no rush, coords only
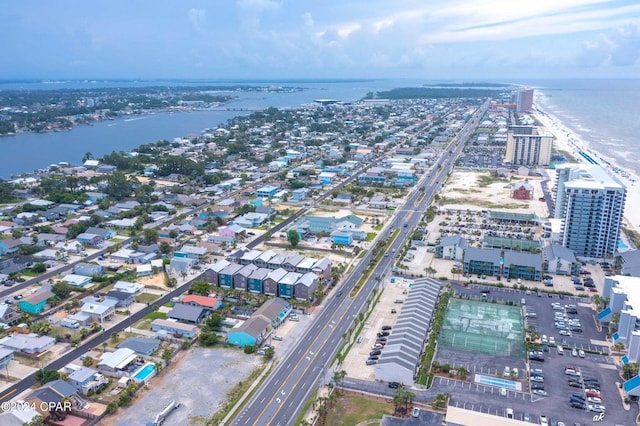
(566, 140)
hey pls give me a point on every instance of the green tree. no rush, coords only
(249, 349)
(115, 337)
(167, 355)
(630, 370)
(269, 352)
(150, 236)
(62, 290)
(200, 287)
(165, 247)
(46, 376)
(293, 237)
(213, 323)
(208, 338)
(87, 361)
(112, 407)
(39, 268)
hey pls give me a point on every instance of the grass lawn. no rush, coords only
(147, 298)
(370, 236)
(156, 315)
(351, 409)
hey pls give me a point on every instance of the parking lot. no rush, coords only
(596, 364)
(355, 361)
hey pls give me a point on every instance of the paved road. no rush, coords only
(96, 341)
(282, 395)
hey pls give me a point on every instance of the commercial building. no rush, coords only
(591, 204)
(526, 147)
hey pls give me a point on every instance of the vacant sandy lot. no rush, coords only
(478, 191)
(199, 381)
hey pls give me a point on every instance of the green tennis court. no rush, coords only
(483, 327)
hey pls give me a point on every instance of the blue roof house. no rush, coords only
(342, 237)
(267, 191)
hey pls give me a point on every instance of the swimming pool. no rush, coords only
(144, 373)
(496, 381)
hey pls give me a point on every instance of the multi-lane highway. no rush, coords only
(298, 373)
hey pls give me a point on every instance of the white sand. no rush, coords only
(566, 140)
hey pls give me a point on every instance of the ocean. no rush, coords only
(602, 112)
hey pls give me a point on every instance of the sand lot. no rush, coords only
(199, 381)
(478, 191)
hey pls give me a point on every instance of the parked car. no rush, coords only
(597, 408)
(371, 361)
(394, 385)
(539, 392)
(575, 385)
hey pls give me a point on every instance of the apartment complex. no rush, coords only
(527, 147)
(590, 203)
(524, 100)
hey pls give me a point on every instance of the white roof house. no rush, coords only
(76, 280)
(117, 360)
(128, 287)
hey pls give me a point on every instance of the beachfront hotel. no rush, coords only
(523, 99)
(527, 147)
(590, 203)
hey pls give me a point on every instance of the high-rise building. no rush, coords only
(525, 100)
(590, 203)
(526, 147)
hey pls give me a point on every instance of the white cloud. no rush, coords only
(258, 5)
(198, 18)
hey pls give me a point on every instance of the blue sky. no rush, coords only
(262, 39)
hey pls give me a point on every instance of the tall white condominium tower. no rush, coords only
(591, 204)
(526, 147)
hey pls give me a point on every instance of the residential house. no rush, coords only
(249, 256)
(225, 276)
(46, 399)
(241, 278)
(89, 239)
(10, 246)
(205, 302)
(267, 191)
(87, 269)
(162, 326)
(212, 272)
(180, 266)
(341, 237)
(262, 261)
(129, 256)
(232, 231)
(292, 261)
(255, 281)
(104, 233)
(119, 362)
(27, 343)
(8, 315)
(141, 345)
(299, 194)
(187, 313)
(70, 247)
(270, 283)
(128, 287)
(305, 286)
(77, 280)
(286, 285)
(275, 310)
(6, 355)
(326, 178)
(560, 260)
(451, 247)
(122, 298)
(322, 268)
(86, 380)
(522, 191)
(35, 303)
(19, 416)
(100, 311)
(251, 332)
(191, 252)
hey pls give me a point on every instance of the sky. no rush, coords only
(269, 39)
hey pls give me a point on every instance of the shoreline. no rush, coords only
(567, 140)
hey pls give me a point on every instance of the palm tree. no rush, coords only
(462, 372)
(338, 376)
(95, 327)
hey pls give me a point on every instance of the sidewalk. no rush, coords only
(257, 382)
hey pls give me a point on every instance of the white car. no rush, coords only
(596, 408)
(594, 400)
(537, 379)
(552, 340)
(539, 392)
(544, 421)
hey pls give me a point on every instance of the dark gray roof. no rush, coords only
(482, 254)
(119, 295)
(45, 394)
(555, 251)
(185, 312)
(140, 345)
(523, 259)
(427, 418)
(62, 387)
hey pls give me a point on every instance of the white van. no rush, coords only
(560, 350)
(545, 339)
